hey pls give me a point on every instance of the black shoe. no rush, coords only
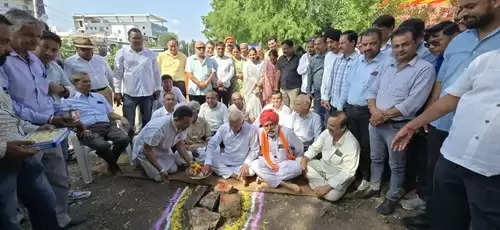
(75, 222)
(420, 221)
(367, 193)
(387, 207)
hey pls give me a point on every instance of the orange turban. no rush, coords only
(228, 39)
(269, 115)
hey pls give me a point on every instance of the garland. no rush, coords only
(252, 210)
(169, 217)
(168, 209)
(246, 203)
(176, 218)
(258, 215)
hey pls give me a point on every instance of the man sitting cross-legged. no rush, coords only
(96, 128)
(169, 103)
(279, 147)
(232, 149)
(334, 172)
(305, 123)
(213, 111)
(153, 147)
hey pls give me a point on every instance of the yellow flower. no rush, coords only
(246, 203)
(176, 223)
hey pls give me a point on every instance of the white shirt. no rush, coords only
(225, 70)
(136, 73)
(179, 98)
(159, 133)
(97, 68)
(161, 112)
(215, 117)
(473, 138)
(339, 160)
(302, 70)
(277, 151)
(284, 114)
(307, 129)
(328, 67)
(239, 148)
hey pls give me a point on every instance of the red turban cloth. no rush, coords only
(228, 39)
(267, 116)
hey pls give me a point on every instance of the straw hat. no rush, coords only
(83, 42)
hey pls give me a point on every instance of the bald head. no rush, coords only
(236, 120)
(302, 104)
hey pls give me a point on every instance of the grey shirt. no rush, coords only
(315, 73)
(407, 89)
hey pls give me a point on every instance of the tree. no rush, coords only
(163, 38)
(255, 20)
(67, 48)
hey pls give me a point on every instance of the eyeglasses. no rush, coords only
(200, 48)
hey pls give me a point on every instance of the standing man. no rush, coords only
(209, 52)
(483, 20)
(353, 100)
(332, 42)
(29, 89)
(21, 174)
(101, 76)
(272, 44)
(422, 51)
(385, 24)
(137, 76)
(304, 64)
(229, 46)
(224, 73)
(315, 75)
(47, 51)
(394, 98)
(201, 72)
(342, 66)
(167, 85)
(173, 63)
(290, 80)
(244, 50)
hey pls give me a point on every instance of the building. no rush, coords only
(26, 5)
(114, 27)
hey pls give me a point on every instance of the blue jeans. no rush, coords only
(145, 107)
(380, 144)
(26, 179)
(320, 110)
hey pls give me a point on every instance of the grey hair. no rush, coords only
(194, 105)
(235, 115)
(20, 18)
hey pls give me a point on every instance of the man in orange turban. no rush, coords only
(279, 148)
(229, 46)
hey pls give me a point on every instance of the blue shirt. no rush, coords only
(424, 53)
(355, 87)
(93, 108)
(461, 51)
(28, 87)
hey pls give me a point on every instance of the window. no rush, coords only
(107, 28)
(143, 27)
(144, 33)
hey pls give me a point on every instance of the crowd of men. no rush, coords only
(420, 100)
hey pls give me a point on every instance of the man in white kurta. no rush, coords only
(167, 109)
(304, 123)
(279, 148)
(232, 149)
(214, 112)
(335, 171)
(281, 109)
(153, 146)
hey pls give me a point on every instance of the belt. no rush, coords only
(356, 107)
(97, 90)
(397, 122)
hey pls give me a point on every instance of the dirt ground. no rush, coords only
(129, 203)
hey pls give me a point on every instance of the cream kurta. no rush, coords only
(288, 169)
(338, 164)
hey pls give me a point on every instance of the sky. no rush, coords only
(183, 16)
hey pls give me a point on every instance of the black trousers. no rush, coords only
(181, 85)
(357, 121)
(103, 132)
(464, 199)
(435, 139)
(225, 95)
(199, 98)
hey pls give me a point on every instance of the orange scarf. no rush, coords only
(264, 147)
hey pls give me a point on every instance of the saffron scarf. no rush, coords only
(264, 148)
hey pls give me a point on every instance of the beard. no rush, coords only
(480, 21)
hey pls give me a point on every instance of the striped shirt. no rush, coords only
(331, 86)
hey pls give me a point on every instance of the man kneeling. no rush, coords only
(153, 147)
(232, 149)
(331, 176)
(279, 147)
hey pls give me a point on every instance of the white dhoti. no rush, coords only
(318, 177)
(167, 161)
(288, 169)
(221, 168)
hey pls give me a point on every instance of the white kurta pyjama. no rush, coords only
(162, 135)
(307, 129)
(288, 169)
(214, 116)
(239, 148)
(337, 166)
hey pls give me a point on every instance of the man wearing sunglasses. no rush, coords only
(201, 72)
